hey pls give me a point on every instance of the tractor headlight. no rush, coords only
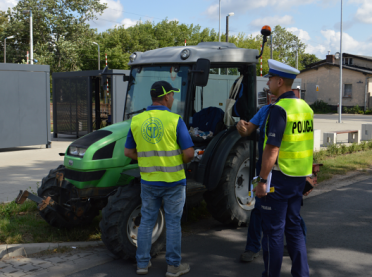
(133, 57)
(77, 151)
(81, 152)
(185, 53)
(73, 150)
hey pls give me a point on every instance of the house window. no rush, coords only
(347, 61)
(347, 90)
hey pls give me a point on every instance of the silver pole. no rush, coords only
(297, 58)
(340, 103)
(4, 50)
(219, 33)
(31, 40)
(99, 62)
(271, 46)
(219, 22)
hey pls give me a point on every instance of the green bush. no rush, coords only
(363, 145)
(319, 156)
(353, 148)
(369, 144)
(343, 149)
(319, 106)
(345, 110)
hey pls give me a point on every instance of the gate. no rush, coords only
(81, 104)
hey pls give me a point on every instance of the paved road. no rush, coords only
(24, 167)
(329, 122)
(339, 226)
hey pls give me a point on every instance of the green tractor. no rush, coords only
(97, 176)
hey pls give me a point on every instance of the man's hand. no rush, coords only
(245, 128)
(308, 192)
(260, 190)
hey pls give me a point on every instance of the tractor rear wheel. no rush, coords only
(49, 188)
(121, 219)
(229, 202)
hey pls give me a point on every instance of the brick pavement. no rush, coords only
(56, 264)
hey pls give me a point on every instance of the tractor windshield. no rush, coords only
(142, 78)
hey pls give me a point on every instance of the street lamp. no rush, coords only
(5, 47)
(31, 37)
(227, 26)
(219, 22)
(340, 103)
(99, 66)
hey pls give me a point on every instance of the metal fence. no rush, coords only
(77, 101)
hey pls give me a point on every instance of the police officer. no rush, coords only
(159, 139)
(288, 154)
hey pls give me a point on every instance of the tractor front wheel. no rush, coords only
(121, 219)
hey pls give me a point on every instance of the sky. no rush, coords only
(315, 22)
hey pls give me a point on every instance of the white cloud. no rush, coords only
(331, 42)
(127, 22)
(113, 11)
(5, 4)
(364, 12)
(242, 6)
(301, 34)
(273, 21)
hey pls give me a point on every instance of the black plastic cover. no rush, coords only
(83, 176)
(91, 138)
(105, 152)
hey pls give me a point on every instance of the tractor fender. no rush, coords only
(211, 166)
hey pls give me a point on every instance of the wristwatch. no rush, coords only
(261, 180)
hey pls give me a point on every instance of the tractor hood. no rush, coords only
(101, 149)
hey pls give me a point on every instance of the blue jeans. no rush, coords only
(174, 201)
(255, 229)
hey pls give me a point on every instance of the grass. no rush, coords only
(338, 160)
(23, 224)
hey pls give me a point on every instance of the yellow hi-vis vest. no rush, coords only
(159, 155)
(296, 150)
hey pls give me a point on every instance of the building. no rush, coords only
(321, 81)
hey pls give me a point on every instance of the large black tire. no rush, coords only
(223, 202)
(120, 221)
(48, 188)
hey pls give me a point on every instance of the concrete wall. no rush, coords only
(328, 79)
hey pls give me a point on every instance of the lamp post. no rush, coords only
(5, 47)
(99, 66)
(340, 103)
(227, 26)
(31, 37)
(219, 23)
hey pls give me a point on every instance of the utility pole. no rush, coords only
(341, 62)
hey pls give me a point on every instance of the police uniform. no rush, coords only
(289, 126)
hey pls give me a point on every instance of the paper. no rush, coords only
(254, 183)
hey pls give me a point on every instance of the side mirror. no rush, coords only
(201, 72)
(126, 78)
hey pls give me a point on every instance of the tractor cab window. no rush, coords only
(142, 78)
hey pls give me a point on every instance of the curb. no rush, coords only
(14, 250)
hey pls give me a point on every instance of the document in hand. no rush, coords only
(254, 183)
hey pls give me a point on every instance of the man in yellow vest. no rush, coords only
(288, 159)
(161, 143)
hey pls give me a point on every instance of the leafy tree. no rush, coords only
(60, 28)
(307, 59)
(285, 44)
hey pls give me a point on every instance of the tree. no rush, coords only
(60, 28)
(285, 44)
(307, 59)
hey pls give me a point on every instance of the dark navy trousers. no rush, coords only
(280, 213)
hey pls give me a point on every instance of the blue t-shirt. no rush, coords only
(259, 119)
(183, 139)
